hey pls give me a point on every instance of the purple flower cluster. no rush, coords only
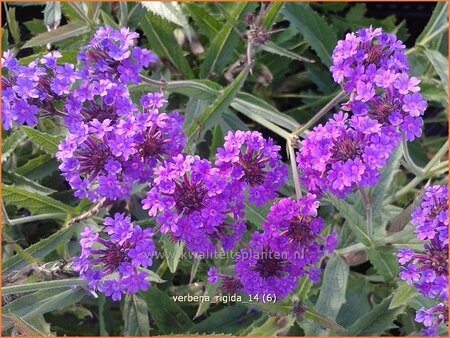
(373, 68)
(193, 202)
(345, 153)
(29, 90)
(290, 247)
(428, 270)
(114, 260)
(254, 162)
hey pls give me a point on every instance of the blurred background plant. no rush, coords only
(204, 49)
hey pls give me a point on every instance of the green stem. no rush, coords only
(441, 152)
(291, 151)
(269, 125)
(368, 206)
(321, 112)
(159, 84)
(29, 219)
(351, 248)
(416, 170)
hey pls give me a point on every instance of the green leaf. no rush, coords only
(437, 24)
(402, 295)
(11, 143)
(323, 321)
(40, 302)
(384, 261)
(13, 25)
(210, 291)
(167, 314)
(159, 34)
(374, 323)
(35, 203)
(245, 102)
(42, 248)
(7, 290)
(172, 251)
(25, 183)
(217, 141)
(135, 316)
(72, 29)
(215, 110)
(440, 64)
(271, 15)
(272, 326)
(219, 52)
(320, 36)
(52, 14)
(226, 320)
(383, 188)
(45, 142)
(356, 222)
(272, 48)
(206, 23)
(332, 292)
(170, 11)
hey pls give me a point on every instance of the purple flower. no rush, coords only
(295, 229)
(192, 202)
(345, 154)
(112, 253)
(253, 162)
(372, 67)
(428, 270)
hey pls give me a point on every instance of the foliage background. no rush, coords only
(200, 47)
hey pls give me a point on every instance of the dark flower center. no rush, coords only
(231, 285)
(269, 264)
(93, 158)
(253, 167)
(153, 145)
(345, 149)
(113, 256)
(189, 197)
(99, 112)
(382, 109)
(375, 55)
(299, 230)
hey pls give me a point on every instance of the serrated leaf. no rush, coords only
(160, 35)
(216, 109)
(379, 320)
(356, 222)
(219, 52)
(272, 14)
(402, 295)
(42, 248)
(135, 316)
(217, 141)
(11, 143)
(172, 251)
(72, 29)
(332, 292)
(440, 65)
(45, 142)
(170, 11)
(384, 261)
(320, 36)
(210, 291)
(35, 203)
(272, 326)
(167, 315)
(27, 184)
(54, 284)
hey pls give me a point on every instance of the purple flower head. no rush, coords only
(194, 203)
(296, 229)
(372, 67)
(254, 162)
(112, 260)
(30, 90)
(263, 271)
(112, 55)
(345, 154)
(428, 270)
